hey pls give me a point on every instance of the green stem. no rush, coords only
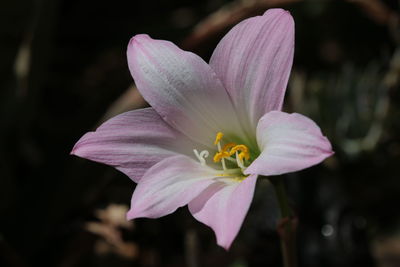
(287, 224)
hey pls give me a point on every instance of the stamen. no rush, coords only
(228, 146)
(218, 143)
(241, 153)
(222, 160)
(244, 151)
(225, 152)
(242, 148)
(239, 160)
(218, 138)
(220, 155)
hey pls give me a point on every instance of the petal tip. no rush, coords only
(276, 11)
(80, 148)
(330, 153)
(225, 245)
(139, 37)
(280, 14)
(328, 147)
(75, 150)
(137, 40)
(326, 151)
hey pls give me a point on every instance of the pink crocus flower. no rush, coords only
(212, 129)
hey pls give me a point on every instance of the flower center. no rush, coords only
(229, 154)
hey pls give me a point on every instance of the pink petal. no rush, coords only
(288, 143)
(182, 88)
(168, 185)
(131, 142)
(254, 60)
(223, 207)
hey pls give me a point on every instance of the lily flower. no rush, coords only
(212, 129)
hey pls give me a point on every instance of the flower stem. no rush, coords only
(287, 224)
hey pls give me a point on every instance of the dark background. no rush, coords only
(63, 70)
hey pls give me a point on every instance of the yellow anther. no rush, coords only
(244, 152)
(244, 155)
(224, 153)
(220, 155)
(241, 148)
(218, 138)
(228, 146)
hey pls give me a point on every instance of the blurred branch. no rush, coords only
(213, 26)
(129, 100)
(109, 228)
(381, 14)
(359, 123)
(191, 248)
(390, 81)
(375, 9)
(227, 16)
(22, 65)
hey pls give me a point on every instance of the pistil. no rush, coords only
(226, 152)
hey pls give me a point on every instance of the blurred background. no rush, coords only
(63, 71)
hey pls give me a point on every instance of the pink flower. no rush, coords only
(212, 128)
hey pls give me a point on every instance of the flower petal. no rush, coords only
(288, 143)
(168, 185)
(131, 142)
(223, 207)
(254, 60)
(182, 88)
